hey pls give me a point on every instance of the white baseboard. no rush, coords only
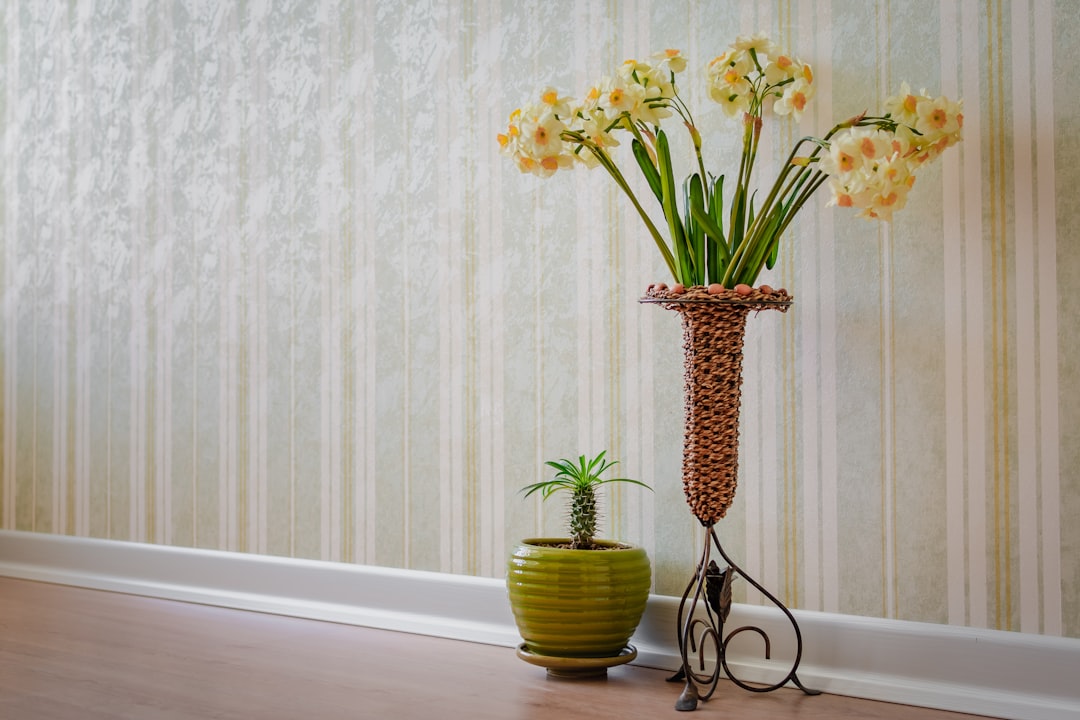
(985, 672)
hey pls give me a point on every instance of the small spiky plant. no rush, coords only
(581, 479)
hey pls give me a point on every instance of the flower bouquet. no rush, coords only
(716, 241)
(868, 161)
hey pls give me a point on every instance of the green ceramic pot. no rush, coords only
(577, 603)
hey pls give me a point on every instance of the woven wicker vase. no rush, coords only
(713, 331)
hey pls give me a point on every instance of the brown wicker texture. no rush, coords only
(713, 331)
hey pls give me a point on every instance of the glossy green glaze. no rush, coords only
(577, 603)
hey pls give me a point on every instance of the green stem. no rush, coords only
(778, 192)
(695, 138)
(608, 164)
(739, 231)
(816, 180)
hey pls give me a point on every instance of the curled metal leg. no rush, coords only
(791, 675)
(699, 637)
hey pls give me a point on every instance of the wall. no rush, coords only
(268, 287)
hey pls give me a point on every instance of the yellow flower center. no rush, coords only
(808, 73)
(847, 163)
(783, 62)
(938, 118)
(616, 96)
(541, 135)
(910, 102)
(550, 97)
(550, 163)
(866, 147)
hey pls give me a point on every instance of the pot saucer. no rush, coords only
(576, 667)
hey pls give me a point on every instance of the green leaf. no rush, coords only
(671, 209)
(738, 220)
(764, 244)
(716, 203)
(625, 480)
(709, 226)
(774, 252)
(781, 214)
(695, 198)
(718, 250)
(648, 169)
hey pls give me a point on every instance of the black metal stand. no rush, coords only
(711, 588)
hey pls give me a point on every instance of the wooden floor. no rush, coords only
(70, 653)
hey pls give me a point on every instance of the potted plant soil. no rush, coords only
(577, 600)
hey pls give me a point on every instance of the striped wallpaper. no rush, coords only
(268, 287)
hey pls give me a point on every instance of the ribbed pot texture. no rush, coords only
(577, 603)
